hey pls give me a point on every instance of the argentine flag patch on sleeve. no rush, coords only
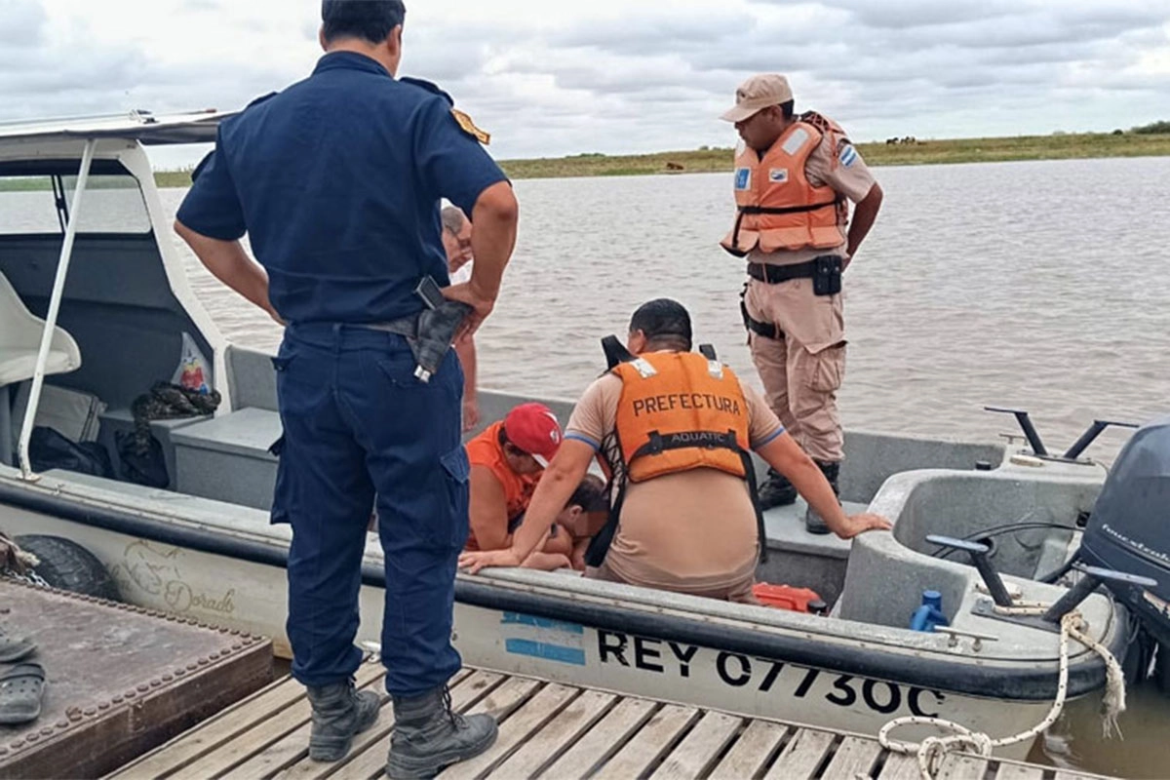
(847, 155)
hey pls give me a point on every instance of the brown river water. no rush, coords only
(1038, 285)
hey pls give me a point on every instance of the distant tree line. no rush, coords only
(1154, 128)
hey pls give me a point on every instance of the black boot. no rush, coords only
(776, 491)
(339, 713)
(429, 736)
(812, 520)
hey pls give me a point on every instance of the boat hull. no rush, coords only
(762, 678)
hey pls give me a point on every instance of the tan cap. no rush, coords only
(756, 94)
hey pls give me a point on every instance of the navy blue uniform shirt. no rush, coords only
(337, 182)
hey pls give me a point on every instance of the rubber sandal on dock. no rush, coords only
(14, 648)
(21, 690)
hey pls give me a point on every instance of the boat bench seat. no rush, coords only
(226, 458)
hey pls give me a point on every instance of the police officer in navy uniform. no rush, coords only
(337, 180)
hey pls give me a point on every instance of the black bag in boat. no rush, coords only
(49, 449)
(142, 465)
(141, 453)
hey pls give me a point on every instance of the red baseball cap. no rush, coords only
(534, 428)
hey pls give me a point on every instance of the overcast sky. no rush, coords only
(614, 76)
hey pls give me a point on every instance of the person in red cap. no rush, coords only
(507, 459)
(682, 517)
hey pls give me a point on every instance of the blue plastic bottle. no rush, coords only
(930, 614)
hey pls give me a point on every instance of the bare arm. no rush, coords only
(561, 543)
(864, 215)
(546, 561)
(786, 456)
(580, 547)
(554, 490)
(228, 262)
(488, 510)
(465, 348)
(495, 216)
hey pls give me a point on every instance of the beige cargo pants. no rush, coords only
(739, 592)
(802, 369)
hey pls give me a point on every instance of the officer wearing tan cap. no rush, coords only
(793, 177)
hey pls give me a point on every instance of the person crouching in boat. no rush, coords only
(674, 429)
(507, 460)
(582, 519)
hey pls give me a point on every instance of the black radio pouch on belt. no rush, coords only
(827, 280)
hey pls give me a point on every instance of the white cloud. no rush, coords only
(612, 76)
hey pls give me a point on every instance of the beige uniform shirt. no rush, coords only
(846, 173)
(689, 532)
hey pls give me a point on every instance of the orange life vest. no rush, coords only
(680, 411)
(485, 450)
(779, 209)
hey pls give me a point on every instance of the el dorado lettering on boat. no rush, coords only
(153, 569)
(551, 640)
(764, 675)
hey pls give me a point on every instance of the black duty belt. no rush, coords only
(774, 274)
(407, 326)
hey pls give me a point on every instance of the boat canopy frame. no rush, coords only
(138, 128)
(38, 379)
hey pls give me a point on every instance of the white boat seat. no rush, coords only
(20, 341)
(18, 365)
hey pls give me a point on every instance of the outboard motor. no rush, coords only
(1129, 530)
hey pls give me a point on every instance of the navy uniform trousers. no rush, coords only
(358, 424)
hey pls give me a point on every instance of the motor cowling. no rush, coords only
(1129, 529)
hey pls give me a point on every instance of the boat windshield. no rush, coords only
(37, 203)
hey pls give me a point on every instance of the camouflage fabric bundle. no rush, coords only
(166, 401)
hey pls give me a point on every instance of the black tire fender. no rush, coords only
(66, 565)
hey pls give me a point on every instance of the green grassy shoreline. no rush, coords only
(922, 152)
(1140, 143)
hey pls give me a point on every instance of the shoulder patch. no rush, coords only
(261, 99)
(202, 164)
(743, 179)
(469, 127)
(429, 87)
(847, 155)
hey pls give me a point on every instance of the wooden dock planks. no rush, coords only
(553, 731)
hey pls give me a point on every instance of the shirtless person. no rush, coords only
(457, 242)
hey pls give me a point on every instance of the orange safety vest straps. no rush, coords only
(677, 412)
(680, 411)
(732, 245)
(779, 209)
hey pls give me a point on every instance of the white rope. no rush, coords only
(933, 750)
